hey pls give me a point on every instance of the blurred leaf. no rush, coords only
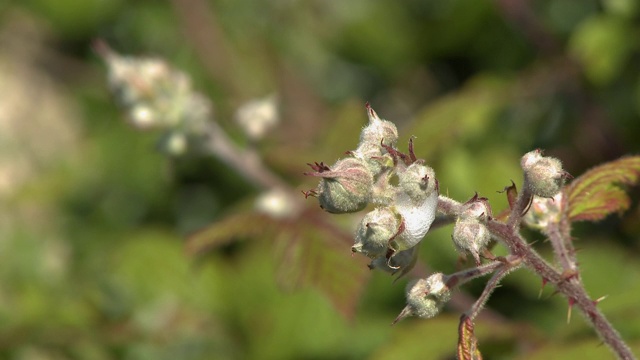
(598, 192)
(421, 339)
(602, 45)
(464, 114)
(583, 349)
(312, 252)
(319, 255)
(231, 228)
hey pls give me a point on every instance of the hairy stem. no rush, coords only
(521, 207)
(559, 234)
(461, 277)
(571, 289)
(505, 268)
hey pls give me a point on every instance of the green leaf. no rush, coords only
(600, 191)
(601, 45)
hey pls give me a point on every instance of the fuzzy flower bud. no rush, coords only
(417, 181)
(157, 96)
(470, 236)
(374, 232)
(426, 297)
(376, 133)
(543, 175)
(345, 187)
(258, 116)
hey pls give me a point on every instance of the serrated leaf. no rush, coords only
(311, 253)
(600, 191)
(318, 256)
(467, 341)
(231, 228)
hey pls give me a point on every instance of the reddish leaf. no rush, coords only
(600, 191)
(467, 342)
(311, 253)
(317, 256)
(229, 229)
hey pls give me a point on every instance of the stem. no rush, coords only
(461, 277)
(522, 205)
(245, 162)
(571, 289)
(559, 234)
(492, 284)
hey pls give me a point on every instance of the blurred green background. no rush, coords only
(94, 220)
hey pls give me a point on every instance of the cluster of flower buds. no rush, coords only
(156, 96)
(470, 234)
(543, 175)
(402, 188)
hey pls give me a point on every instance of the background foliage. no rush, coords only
(93, 221)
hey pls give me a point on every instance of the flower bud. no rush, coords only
(374, 232)
(345, 187)
(470, 236)
(416, 219)
(544, 211)
(476, 208)
(543, 175)
(426, 297)
(378, 131)
(417, 181)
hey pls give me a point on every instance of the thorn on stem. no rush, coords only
(544, 283)
(571, 302)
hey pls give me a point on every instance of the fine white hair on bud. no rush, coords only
(418, 181)
(416, 219)
(426, 297)
(376, 133)
(374, 232)
(476, 208)
(470, 236)
(378, 130)
(345, 187)
(543, 175)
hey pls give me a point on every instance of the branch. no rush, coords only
(245, 162)
(573, 290)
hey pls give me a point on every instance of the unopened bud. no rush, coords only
(345, 187)
(418, 181)
(470, 236)
(376, 133)
(374, 232)
(544, 211)
(426, 297)
(543, 175)
(476, 208)
(378, 130)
